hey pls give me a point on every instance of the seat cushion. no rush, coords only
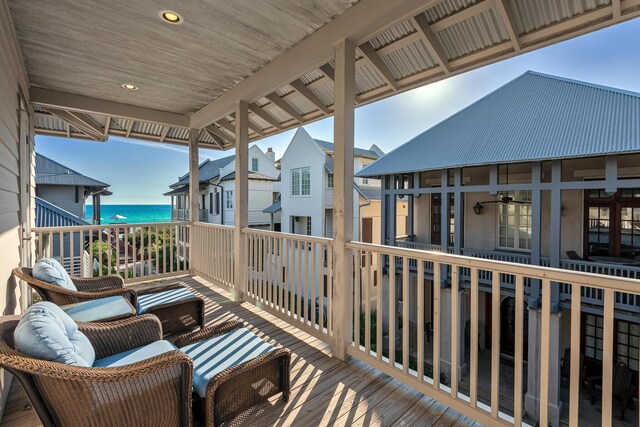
(46, 332)
(51, 271)
(136, 355)
(212, 356)
(145, 302)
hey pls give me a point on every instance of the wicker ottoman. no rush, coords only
(233, 370)
(178, 308)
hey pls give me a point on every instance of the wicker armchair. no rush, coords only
(153, 392)
(88, 288)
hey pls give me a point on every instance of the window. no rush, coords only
(593, 337)
(629, 344)
(301, 182)
(204, 199)
(365, 181)
(229, 199)
(436, 219)
(308, 226)
(217, 203)
(254, 164)
(330, 180)
(211, 203)
(514, 221)
(612, 223)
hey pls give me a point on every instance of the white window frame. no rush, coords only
(229, 199)
(254, 164)
(297, 182)
(308, 226)
(365, 181)
(521, 221)
(330, 180)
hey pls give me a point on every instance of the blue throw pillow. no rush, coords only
(51, 271)
(46, 332)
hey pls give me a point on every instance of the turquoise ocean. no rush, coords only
(134, 214)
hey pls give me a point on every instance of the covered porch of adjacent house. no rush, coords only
(303, 291)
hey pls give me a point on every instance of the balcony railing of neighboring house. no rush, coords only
(291, 277)
(135, 251)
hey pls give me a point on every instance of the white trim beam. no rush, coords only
(303, 90)
(432, 44)
(107, 125)
(285, 106)
(258, 111)
(328, 71)
(219, 142)
(376, 62)
(462, 15)
(617, 8)
(165, 131)
(81, 122)
(130, 124)
(226, 124)
(509, 22)
(213, 131)
(66, 101)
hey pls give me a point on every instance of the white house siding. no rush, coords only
(12, 76)
(302, 152)
(64, 197)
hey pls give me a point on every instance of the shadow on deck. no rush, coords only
(324, 390)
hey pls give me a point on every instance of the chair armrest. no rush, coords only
(74, 296)
(115, 337)
(97, 284)
(207, 332)
(148, 392)
(153, 289)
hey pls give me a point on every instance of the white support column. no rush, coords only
(194, 177)
(343, 195)
(241, 209)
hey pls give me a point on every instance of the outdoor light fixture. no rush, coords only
(171, 17)
(129, 86)
(477, 208)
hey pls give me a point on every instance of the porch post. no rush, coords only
(241, 207)
(194, 186)
(194, 177)
(343, 128)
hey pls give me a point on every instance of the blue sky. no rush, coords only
(139, 172)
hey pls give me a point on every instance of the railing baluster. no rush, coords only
(436, 325)
(61, 245)
(495, 343)
(544, 352)
(100, 251)
(574, 392)
(330, 291)
(379, 306)
(405, 315)
(298, 305)
(321, 317)
(157, 242)
(314, 284)
(279, 281)
(392, 311)
(607, 357)
(81, 253)
(455, 329)
(305, 270)
(367, 301)
(357, 300)
(519, 351)
(473, 352)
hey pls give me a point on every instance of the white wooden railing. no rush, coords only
(290, 276)
(135, 251)
(213, 252)
(392, 354)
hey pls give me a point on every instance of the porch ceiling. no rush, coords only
(278, 57)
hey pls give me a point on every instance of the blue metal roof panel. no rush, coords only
(208, 170)
(533, 117)
(50, 172)
(50, 215)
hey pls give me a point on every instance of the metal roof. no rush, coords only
(373, 153)
(178, 191)
(252, 175)
(276, 207)
(534, 117)
(50, 172)
(368, 193)
(50, 215)
(208, 170)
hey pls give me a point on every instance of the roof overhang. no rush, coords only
(401, 45)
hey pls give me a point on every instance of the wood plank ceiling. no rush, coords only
(91, 48)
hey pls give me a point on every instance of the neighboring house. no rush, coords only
(61, 195)
(543, 171)
(217, 185)
(306, 200)
(68, 189)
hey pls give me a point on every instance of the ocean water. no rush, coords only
(134, 214)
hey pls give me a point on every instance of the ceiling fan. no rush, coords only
(506, 200)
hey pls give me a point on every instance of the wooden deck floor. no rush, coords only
(324, 390)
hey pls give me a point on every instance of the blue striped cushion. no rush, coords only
(212, 356)
(145, 302)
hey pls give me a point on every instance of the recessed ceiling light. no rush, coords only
(171, 17)
(129, 86)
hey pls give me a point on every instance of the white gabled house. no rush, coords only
(217, 186)
(306, 200)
